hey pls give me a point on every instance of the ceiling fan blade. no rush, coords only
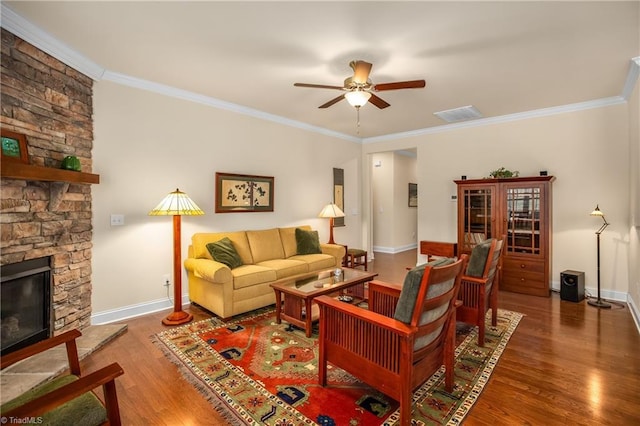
(361, 70)
(413, 84)
(332, 101)
(318, 86)
(379, 102)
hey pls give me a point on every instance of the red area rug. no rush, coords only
(255, 371)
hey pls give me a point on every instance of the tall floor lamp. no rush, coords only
(331, 211)
(177, 204)
(600, 303)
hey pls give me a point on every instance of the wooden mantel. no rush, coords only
(14, 170)
(59, 178)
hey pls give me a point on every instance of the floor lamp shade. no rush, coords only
(599, 303)
(331, 211)
(177, 204)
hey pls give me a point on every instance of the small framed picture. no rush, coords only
(413, 195)
(14, 147)
(243, 193)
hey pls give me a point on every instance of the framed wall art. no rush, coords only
(237, 193)
(338, 194)
(413, 195)
(14, 147)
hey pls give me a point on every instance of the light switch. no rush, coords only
(117, 219)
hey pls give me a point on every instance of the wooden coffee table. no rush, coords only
(300, 290)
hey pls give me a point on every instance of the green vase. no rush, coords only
(71, 162)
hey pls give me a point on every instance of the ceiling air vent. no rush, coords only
(468, 112)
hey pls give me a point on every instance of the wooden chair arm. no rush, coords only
(68, 338)
(68, 392)
(378, 320)
(384, 287)
(473, 280)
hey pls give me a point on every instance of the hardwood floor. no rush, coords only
(567, 363)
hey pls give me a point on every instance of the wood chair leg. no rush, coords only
(111, 403)
(481, 327)
(405, 407)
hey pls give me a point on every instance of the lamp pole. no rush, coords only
(599, 303)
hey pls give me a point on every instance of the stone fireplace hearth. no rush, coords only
(51, 104)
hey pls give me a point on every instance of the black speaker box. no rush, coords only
(572, 286)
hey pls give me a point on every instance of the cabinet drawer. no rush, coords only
(522, 265)
(524, 279)
(525, 282)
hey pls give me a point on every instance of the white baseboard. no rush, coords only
(132, 311)
(394, 250)
(635, 313)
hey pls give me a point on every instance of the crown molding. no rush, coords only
(632, 77)
(543, 112)
(186, 95)
(48, 44)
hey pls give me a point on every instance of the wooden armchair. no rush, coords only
(404, 337)
(479, 286)
(67, 399)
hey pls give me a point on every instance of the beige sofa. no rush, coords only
(267, 255)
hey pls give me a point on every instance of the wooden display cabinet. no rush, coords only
(519, 209)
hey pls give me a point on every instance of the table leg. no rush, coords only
(278, 306)
(308, 319)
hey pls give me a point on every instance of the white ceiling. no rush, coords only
(501, 57)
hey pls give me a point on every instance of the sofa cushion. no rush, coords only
(285, 267)
(307, 242)
(478, 259)
(200, 240)
(265, 245)
(223, 251)
(288, 237)
(250, 275)
(316, 262)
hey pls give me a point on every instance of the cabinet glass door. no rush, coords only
(478, 222)
(523, 220)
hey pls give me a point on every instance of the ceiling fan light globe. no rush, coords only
(357, 98)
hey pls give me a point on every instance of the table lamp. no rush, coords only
(331, 211)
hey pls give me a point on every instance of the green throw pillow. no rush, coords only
(307, 242)
(223, 251)
(411, 287)
(478, 259)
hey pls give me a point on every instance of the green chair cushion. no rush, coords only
(83, 410)
(478, 259)
(223, 251)
(356, 252)
(307, 242)
(407, 300)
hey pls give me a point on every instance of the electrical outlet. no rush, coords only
(117, 219)
(165, 280)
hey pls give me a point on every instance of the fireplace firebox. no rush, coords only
(25, 313)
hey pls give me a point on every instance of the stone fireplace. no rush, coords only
(42, 215)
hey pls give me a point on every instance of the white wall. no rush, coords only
(147, 145)
(634, 197)
(394, 222)
(587, 151)
(382, 176)
(405, 231)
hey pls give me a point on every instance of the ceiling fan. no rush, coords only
(359, 89)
